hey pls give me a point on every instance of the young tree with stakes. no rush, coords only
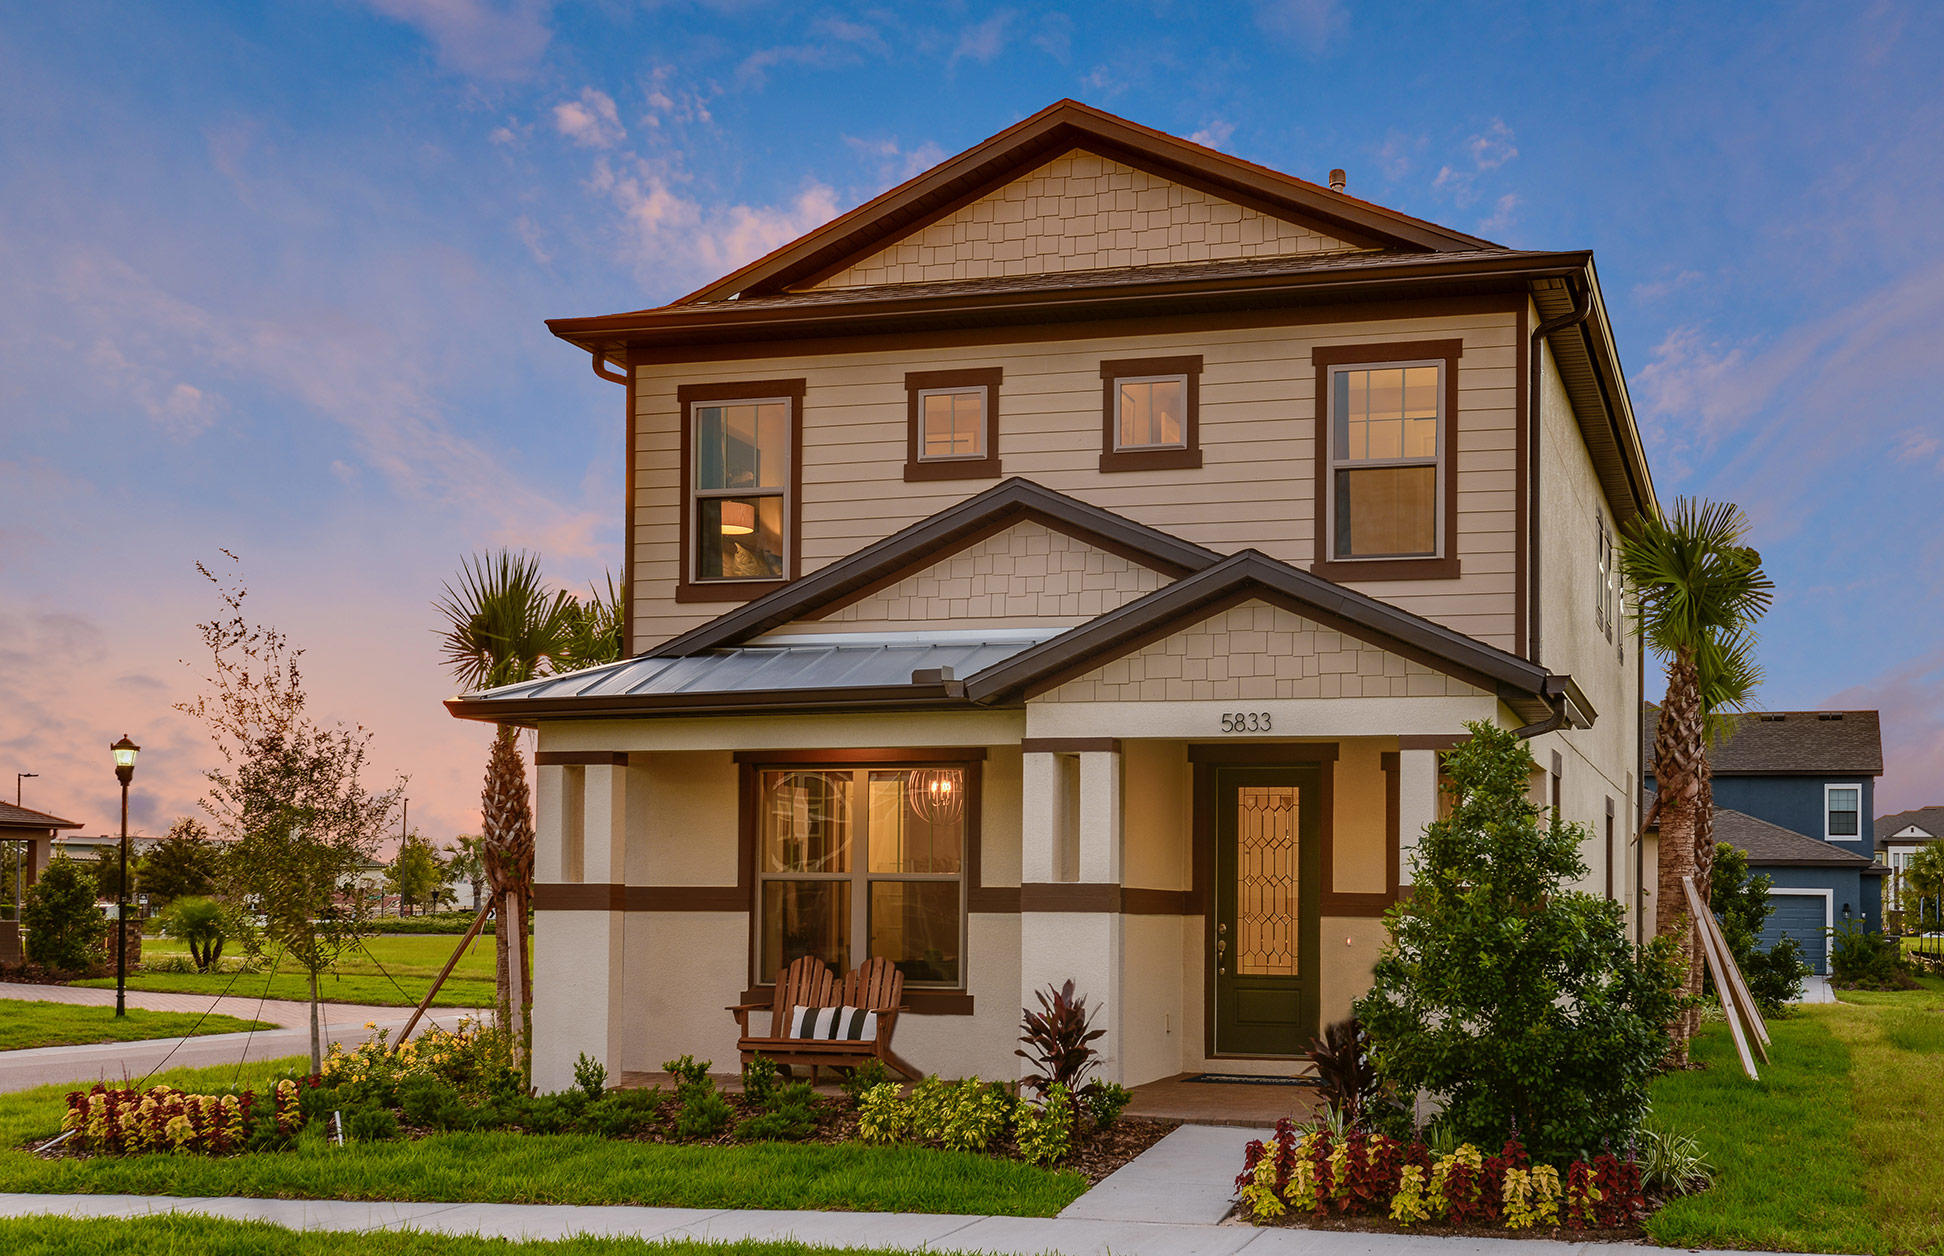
(1698, 588)
(289, 794)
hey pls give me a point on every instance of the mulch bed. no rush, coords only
(30, 974)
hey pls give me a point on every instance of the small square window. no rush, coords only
(952, 422)
(1150, 414)
(1153, 413)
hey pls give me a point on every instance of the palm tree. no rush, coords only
(504, 627)
(1698, 590)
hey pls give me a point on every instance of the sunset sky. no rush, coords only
(272, 280)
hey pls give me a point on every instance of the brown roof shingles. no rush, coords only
(1929, 819)
(1771, 845)
(1791, 743)
(12, 817)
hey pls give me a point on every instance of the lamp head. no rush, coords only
(125, 752)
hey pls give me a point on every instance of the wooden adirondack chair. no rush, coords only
(875, 986)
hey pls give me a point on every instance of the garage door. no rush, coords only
(1799, 916)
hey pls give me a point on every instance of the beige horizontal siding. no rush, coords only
(1255, 489)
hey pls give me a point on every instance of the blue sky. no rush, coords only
(271, 279)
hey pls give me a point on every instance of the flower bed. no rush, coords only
(1317, 1174)
(161, 1118)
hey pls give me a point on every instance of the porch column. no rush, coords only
(1417, 803)
(1070, 897)
(580, 847)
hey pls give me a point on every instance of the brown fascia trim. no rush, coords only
(1251, 574)
(729, 321)
(928, 541)
(949, 695)
(1060, 127)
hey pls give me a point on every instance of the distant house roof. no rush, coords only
(12, 817)
(1772, 846)
(1790, 743)
(1930, 820)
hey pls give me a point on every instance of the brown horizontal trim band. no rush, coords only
(993, 900)
(1102, 898)
(741, 390)
(577, 896)
(580, 758)
(674, 898)
(903, 336)
(952, 469)
(916, 1002)
(1070, 745)
(1338, 904)
(692, 324)
(886, 755)
(1356, 570)
(1244, 754)
(1183, 364)
(896, 697)
(967, 377)
(1431, 741)
(1385, 351)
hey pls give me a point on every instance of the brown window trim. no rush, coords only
(986, 468)
(933, 1000)
(691, 590)
(1187, 457)
(1444, 567)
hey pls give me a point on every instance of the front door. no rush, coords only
(1262, 944)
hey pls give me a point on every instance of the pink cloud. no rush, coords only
(1910, 697)
(478, 37)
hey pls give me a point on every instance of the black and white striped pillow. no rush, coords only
(851, 1024)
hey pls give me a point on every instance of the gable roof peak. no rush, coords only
(1060, 127)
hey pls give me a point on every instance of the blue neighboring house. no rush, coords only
(1795, 791)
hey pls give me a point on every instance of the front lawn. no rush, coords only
(538, 1169)
(209, 1236)
(25, 1024)
(411, 962)
(1836, 1149)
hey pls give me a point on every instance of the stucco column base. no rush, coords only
(573, 1012)
(1086, 948)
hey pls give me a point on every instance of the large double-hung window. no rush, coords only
(856, 862)
(740, 447)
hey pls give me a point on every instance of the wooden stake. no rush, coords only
(471, 933)
(1729, 1005)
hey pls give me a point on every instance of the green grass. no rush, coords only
(26, 1023)
(360, 978)
(1835, 1149)
(536, 1169)
(208, 1236)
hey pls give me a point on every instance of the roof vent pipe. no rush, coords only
(1338, 180)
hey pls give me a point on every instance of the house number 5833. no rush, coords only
(1245, 722)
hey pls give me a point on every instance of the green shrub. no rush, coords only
(622, 1113)
(1104, 1102)
(1516, 999)
(1741, 901)
(424, 1100)
(202, 924)
(65, 930)
(1860, 959)
(687, 1070)
(959, 1116)
(1044, 1130)
(704, 1113)
(759, 1078)
(884, 1114)
(1672, 1164)
(791, 1117)
(864, 1077)
(590, 1075)
(371, 1124)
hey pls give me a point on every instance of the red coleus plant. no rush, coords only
(1058, 1040)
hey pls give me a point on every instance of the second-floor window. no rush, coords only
(1151, 417)
(1603, 596)
(740, 446)
(953, 424)
(1843, 812)
(1386, 486)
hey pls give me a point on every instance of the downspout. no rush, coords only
(1563, 713)
(1582, 309)
(601, 368)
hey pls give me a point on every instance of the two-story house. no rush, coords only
(1899, 837)
(1794, 789)
(1070, 564)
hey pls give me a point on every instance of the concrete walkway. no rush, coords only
(118, 1061)
(1013, 1236)
(1188, 1177)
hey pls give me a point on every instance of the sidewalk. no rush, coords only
(116, 1061)
(1011, 1236)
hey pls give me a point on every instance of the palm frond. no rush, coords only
(1693, 576)
(502, 626)
(596, 626)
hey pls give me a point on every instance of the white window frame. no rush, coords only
(985, 422)
(697, 495)
(1832, 837)
(860, 877)
(1338, 463)
(1603, 600)
(1122, 381)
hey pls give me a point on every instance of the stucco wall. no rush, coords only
(1081, 211)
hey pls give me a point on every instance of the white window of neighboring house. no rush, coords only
(1843, 812)
(741, 477)
(952, 423)
(1387, 460)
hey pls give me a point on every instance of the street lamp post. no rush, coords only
(18, 778)
(125, 751)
